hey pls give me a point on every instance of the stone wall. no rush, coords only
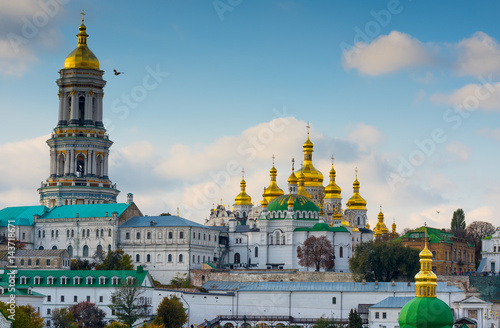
(199, 277)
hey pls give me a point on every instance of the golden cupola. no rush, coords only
(243, 198)
(302, 190)
(82, 57)
(425, 280)
(313, 177)
(380, 227)
(356, 202)
(332, 191)
(273, 190)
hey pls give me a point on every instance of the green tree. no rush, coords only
(458, 223)
(116, 324)
(180, 282)
(316, 252)
(476, 231)
(79, 264)
(88, 315)
(354, 319)
(23, 315)
(326, 323)
(62, 318)
(171, 313)
(384, 261)
(117, 260)
(126, 303)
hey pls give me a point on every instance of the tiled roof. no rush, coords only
(40, 253)
(85, 211)
(160, 221)
(20, 215)
(392, 302)
(70, 274)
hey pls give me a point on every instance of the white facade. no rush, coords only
(168, 245)
(491, 253)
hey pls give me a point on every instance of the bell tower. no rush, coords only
(79, 144)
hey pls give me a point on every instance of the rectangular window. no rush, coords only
(62, 298)
(113, 312)
(88, 298)
(75, 299)
(334, 300)
(384, 315)
(48, 311)
(48, 262)
(127, 235)
(49, 298)
(101, 299)
(170, 235)
(377, 315)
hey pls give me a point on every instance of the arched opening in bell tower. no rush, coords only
(60, 165)
(80, 166)
(81, 110)
(99, 166)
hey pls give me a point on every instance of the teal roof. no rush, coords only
(122, 275)
(20, 215)
(324, 227)
(85, 211)
(300, 203)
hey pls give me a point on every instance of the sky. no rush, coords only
(406, 92)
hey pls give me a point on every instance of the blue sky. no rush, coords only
(414, 103)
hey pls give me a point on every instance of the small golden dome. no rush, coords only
(290, 202)
(425, 280)
(332, 191)
(264, 203)
(313, 177)
(243, 198)
(273, 190)
(302, 190)
(356, 202)
(82, 57)
(367, 225)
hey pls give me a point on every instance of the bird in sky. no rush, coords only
(437, 212)
(117, 73)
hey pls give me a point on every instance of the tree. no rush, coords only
(23, 316)
(476, 231)
(170, 313)
(88, 315)
(80, 264)
(116, 324)
(354, 319)
(62, 318)
(117, 260)
(326, 323)
(458, 223)
(126, 303)
(316, 253)
(384, 261)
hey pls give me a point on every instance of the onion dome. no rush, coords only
(82, 57)
(273, 190)
(367, 225)
(394, 226)
(278, 207)
(345, 223)
(356, 202)
(380, 228)
(264, 203)
(302, 190)
(426, 310)
(243, 198)
(332, 191)
(313, 177)
(290, 202)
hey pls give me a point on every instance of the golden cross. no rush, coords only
(243, 173)
(83, 14)
(332, 160)
(307, 126)
(293, 164)
(356, 172)
(273, 159)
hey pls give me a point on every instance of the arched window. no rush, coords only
(109, 248)
(96, 233)
(256, 252)
(70, 251)
(137, 257)
(54, 247)
(99, 166)
(85, 251)
(494, 248)
(99, 249)
(40, 248)
(148, 258)
(52, 233)
(109, 232)
(434, 255)
(283, 240)
(341, 251)
(80, 166)
(60, 164)
(102, 232)
(67, 233)
(180, 258)
(81, 110)
(170, 257)
(236, 258)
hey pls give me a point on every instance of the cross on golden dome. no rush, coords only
(83, 14)
(243, 173)
(308, 126)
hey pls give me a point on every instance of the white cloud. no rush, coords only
(471, 97)
(387, 54)
(365, 136)
(478, 55)
(458, 151)
(490, 133)
(15, 60)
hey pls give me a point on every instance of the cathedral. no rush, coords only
(266, 236)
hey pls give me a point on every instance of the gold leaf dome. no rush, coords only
(82, 57)
(332, 191)
(273, 190)
(312, 176)
(356, 202)
(243, 198)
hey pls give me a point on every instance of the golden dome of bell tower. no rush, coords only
(82, 57)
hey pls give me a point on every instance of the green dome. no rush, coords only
(428, 312)
(300, 203)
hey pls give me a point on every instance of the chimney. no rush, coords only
(232, 225)
(251, 224)
(376, 283)
(130, 198)
(106, 214)
(409, 283)
(76, 214)
(363, 282)
(393, 283)
(115, 215)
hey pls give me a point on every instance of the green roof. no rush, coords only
(434, 235)
(487, 238)
(429, 312)
(122, 275)
(20, 215)
(300, 203)
(85, 211)
(324, 227)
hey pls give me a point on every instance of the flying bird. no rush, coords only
(437, 211)
(117, 73)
